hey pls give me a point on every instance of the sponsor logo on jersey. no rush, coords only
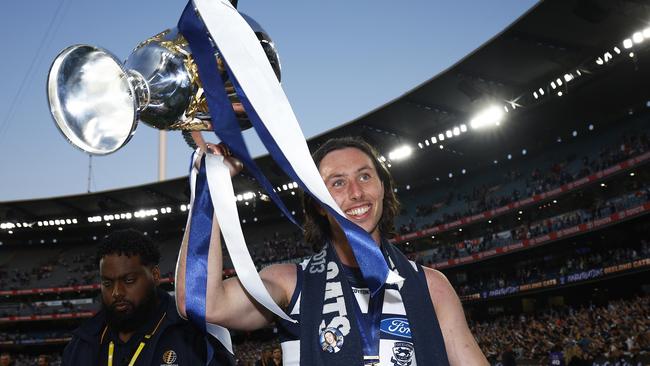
(398, 327)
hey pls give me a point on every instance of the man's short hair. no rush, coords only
(130, 243)
(317, 228)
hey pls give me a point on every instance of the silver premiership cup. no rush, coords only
(96, 101)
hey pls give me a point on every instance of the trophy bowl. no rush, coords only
(91, 99)
(96, 100)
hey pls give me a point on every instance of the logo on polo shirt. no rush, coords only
(169, 357)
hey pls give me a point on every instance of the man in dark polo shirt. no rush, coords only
(138, 324)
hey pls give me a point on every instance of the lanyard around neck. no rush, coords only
(136, 354)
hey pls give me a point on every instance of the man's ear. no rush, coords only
(155, 272)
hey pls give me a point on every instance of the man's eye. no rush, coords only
(338, 183)
(364, 177)
(129, 281)
(106, 283)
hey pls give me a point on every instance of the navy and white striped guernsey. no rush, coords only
(395, 345)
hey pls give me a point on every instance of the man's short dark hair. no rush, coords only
(130, 243)
(317, 228)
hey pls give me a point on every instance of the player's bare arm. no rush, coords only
(460, 344)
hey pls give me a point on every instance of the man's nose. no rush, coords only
(118, 290)
(355, 191)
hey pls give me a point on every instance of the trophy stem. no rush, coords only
(140, 88)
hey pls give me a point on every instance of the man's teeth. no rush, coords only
(358, 211)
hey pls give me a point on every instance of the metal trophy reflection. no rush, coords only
(96, 101)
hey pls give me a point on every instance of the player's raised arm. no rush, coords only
(227, 302)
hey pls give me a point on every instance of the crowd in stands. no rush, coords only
(78, 270)
(280, 247)
(32, 337)
(21, 359)
(499, 237)
(249, 353)
(620, 329)
(553, 265)
(488, 197)
(25, 308)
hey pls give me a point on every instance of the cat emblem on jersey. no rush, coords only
(402, 354)
(331, 340)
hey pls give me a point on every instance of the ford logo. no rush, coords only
(396, 326)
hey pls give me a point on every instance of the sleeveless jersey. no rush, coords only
(395, 344)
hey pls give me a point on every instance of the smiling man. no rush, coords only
(138, 323)
(419, 322)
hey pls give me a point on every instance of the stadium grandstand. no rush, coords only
(523, 176)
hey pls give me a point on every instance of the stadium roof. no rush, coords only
(552, 39)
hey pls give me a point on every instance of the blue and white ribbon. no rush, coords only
(197, 255)
(271, 114)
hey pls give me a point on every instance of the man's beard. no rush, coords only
(130, 321)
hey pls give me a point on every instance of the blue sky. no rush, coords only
(340, 59)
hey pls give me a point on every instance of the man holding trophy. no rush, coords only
(357, 301)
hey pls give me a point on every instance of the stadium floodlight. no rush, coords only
(400, 153)
(632, 54)
(590, 127)
(637, 37)
(524, 152)
(627, 43)
(535, 95)
(441, 137)
(559, 94)
(600, 61)
(617, 50)
(646, 32)
(553, 83)
(568, 77)
(456, 131)
(434, 140)
(420, 145)
(426, 142)
(607, 56)
(463, 128)
(441, 147)
(491, 116)
(284, 187)
(449, 134)
(558, 81)
(541, 91)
